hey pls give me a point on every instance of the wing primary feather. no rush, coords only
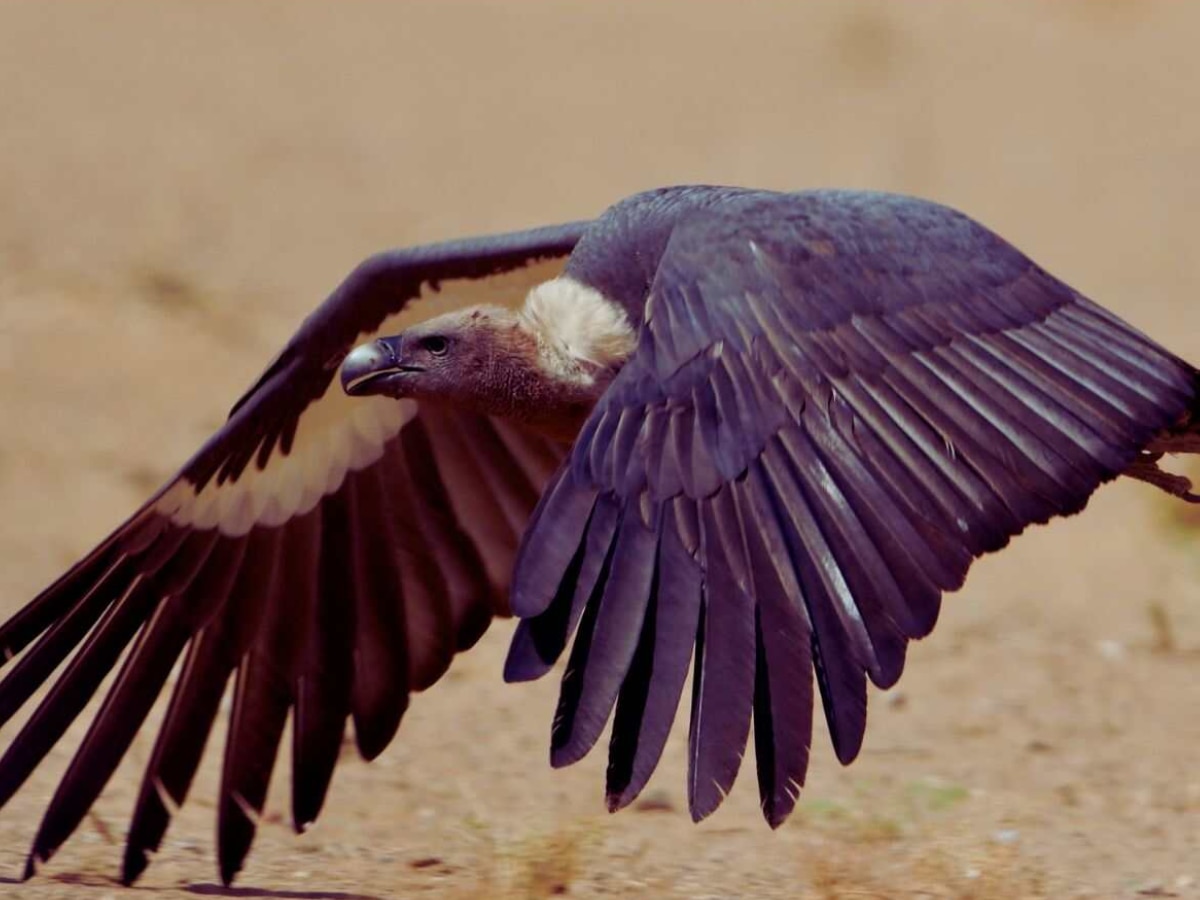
(262, 695)
(1000, 466)
(793, 472)
(538, 642)
(152, 813)
(555, 532)
(983, 479)
(906, 457)
(1080, 368)
(112, 731)
(601, 540)
(652, 689)
(478, 499)
(211, 658)
(1103, 351)
(381, 684)
(723, 687)
(1116, 336)
(491, 459)
(79, 582)
(614, 639)
(572, 680)
(1067, 437)
(455, 556)
(871, 589)
(405, 560)
(840, 658)
(322, 688)
(1045, 473)
(1011, 400)
(783, 673)
(576, 585)
(205, 583)
(916, 568)
(85, 672)
(261, 700)
(56, 643)
(1093, 410)
(62, 600)
(1005, 471)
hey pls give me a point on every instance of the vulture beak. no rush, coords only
(376, 368)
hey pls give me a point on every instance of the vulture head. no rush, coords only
(543, 366)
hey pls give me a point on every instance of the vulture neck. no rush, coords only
(580, 341)
(580, 333)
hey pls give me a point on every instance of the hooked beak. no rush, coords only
(376, 368)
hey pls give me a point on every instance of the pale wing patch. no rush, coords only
(337, 433)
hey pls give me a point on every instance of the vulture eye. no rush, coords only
(436, 344)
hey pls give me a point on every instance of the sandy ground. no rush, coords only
(180, 184)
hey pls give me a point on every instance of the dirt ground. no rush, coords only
(181, 183)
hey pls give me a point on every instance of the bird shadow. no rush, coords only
(211, 890)
(217, 890)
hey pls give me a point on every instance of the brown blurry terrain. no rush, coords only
(181, 183)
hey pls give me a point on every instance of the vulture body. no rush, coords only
(747, 435)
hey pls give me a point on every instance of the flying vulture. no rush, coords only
(748, 435)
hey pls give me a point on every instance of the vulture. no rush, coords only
(746, 436)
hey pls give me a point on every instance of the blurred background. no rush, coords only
(180, 183)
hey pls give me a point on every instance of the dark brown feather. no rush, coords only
(211, 658)
(619, 621)
(381, 665)
(723, 680)
(317, 589)
(650, 693)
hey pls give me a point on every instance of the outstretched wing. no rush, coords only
(837, 402)
(332, 552)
